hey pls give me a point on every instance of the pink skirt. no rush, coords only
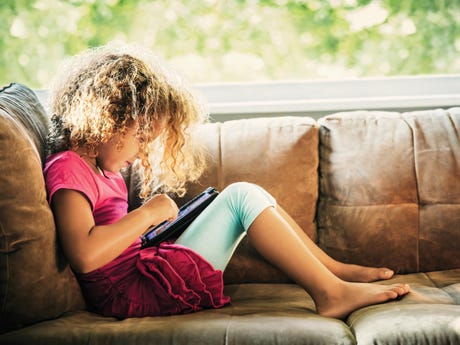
(165, 280)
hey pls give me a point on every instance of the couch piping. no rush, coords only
(417, 192)
(6, 272)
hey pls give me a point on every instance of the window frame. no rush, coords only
(316, 98)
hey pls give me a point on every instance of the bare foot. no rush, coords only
(361, 274)
(348, 297)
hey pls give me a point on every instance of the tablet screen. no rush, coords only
(186, 214)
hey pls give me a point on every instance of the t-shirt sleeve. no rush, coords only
(69, 172)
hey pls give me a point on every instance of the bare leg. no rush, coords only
(348, 272)
(275, 238)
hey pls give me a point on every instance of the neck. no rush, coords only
(91, 160)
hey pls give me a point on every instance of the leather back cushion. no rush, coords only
(35, 281)
(389, 189)
(279, 154)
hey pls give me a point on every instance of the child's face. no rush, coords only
(112, 158)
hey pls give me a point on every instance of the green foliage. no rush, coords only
(238, 40)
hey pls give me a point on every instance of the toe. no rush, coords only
(401, 289)
(386, 273)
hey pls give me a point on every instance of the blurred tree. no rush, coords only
(238, 40)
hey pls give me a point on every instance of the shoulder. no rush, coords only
(67, 170)
(63, 159)
(67, 164)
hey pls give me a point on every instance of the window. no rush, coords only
(278, 46)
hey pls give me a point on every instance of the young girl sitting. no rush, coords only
(113, 106)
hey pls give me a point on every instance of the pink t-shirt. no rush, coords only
(107, 195)
(164, 280)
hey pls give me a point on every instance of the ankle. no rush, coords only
(330, 293)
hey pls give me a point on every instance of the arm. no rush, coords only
(88, 246)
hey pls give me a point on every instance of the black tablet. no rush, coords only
(187, 213)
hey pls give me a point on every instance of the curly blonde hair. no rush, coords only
(106, 90)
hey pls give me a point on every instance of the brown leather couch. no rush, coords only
(373, 188)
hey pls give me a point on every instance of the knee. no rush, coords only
(237, 194)
(239, 189)
(246, 201)
(246, 193)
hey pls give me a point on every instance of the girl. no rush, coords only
(112, 107)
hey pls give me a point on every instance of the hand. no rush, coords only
(160, 208)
